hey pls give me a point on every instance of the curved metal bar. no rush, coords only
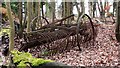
(77, 31)
(91, 24)
(38, 17)
(78, 26)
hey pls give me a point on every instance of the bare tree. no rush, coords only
(69, 11)
(52, 10)
(20, 16)
(94, 8)
(114, 7)
(12, 28)
(64, 14)
(28, 15)
(67, 8)
(35, 8)
(102, 12)
(20, 12)
(38, 13)
(118, 22)
(91, 8)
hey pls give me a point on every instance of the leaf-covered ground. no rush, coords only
(105, 52)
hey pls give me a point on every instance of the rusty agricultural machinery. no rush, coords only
(52, 32)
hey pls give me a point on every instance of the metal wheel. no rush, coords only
(85, 24)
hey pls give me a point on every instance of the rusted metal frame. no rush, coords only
(54, 23)
(54, 38)
(50, 29)
(41, 42)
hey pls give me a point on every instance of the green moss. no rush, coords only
(24, 57)
(7, 31)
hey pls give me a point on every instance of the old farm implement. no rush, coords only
(56, 31)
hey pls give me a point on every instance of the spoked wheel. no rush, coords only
(87, 33)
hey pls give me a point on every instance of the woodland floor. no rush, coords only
(105, 52)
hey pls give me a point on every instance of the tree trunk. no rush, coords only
(102, 13)
(78, 9)
(42, 3)
(82, 7)
(28, 15)
(64, 13)
(38, 13)
(105, 4)
(114, 7)
(94, 9)
(20, 13)
(34, 14)
(20, 16)
(12, 28)
(32, 10)
(118, 22)
(69, 11)
(91, 8)
(53, 10)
